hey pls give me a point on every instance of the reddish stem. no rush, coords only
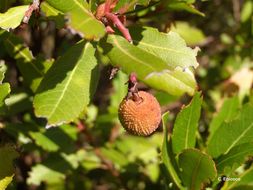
(109, 30)
(132, 89)
(115, 20)
(107, 6)
(80, 126)
(34, 6)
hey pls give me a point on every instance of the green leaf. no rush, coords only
(153, 171)
(179, 6)
(5, 88)
(80, 17)
(168, 156)
(197, 168)
(18, 101)
(22, 133)
(41, 173)
(31, 69)
(13, 17)
(93, 4)
(55, 168)
(190, 34)
(116, 157)
(119, 93)
(164, 98)
(149, 68)
(246, 11)
(7, 156)
(121, 153)
(245, 181)
(186, 125)
(227, 112)
(170, 47)
(146, 148)
(89, 160)
(232, 133)
(128, 5)
(53, 14)
(62, 138)
(234, 158)
(67, 87)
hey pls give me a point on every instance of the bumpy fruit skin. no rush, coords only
(140, 118)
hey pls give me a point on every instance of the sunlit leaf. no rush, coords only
(170, 47)
(4, 92)
(246, 11)
(66, 89)
(80, 17)
(12, 17)
(53, 14)
(18, 101)
(41, 173)
(149, 68)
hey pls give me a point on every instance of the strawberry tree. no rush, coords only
(52, 60)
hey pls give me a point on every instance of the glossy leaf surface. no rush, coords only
(66, 89)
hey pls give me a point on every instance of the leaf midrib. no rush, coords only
(66, 86)
(129, 55)
(82, 7)
(52, 9)
(239, 138)
(115, 41)
(187, 128)
(28, 59)
(233, 156)
(162, 48)
(195, 171)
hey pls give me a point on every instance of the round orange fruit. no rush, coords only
(140, 117)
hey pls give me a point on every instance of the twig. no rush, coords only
(115, 20)
(34, 6)
(107, 6)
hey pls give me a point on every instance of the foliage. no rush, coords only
(7, 155)
(59, 126)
